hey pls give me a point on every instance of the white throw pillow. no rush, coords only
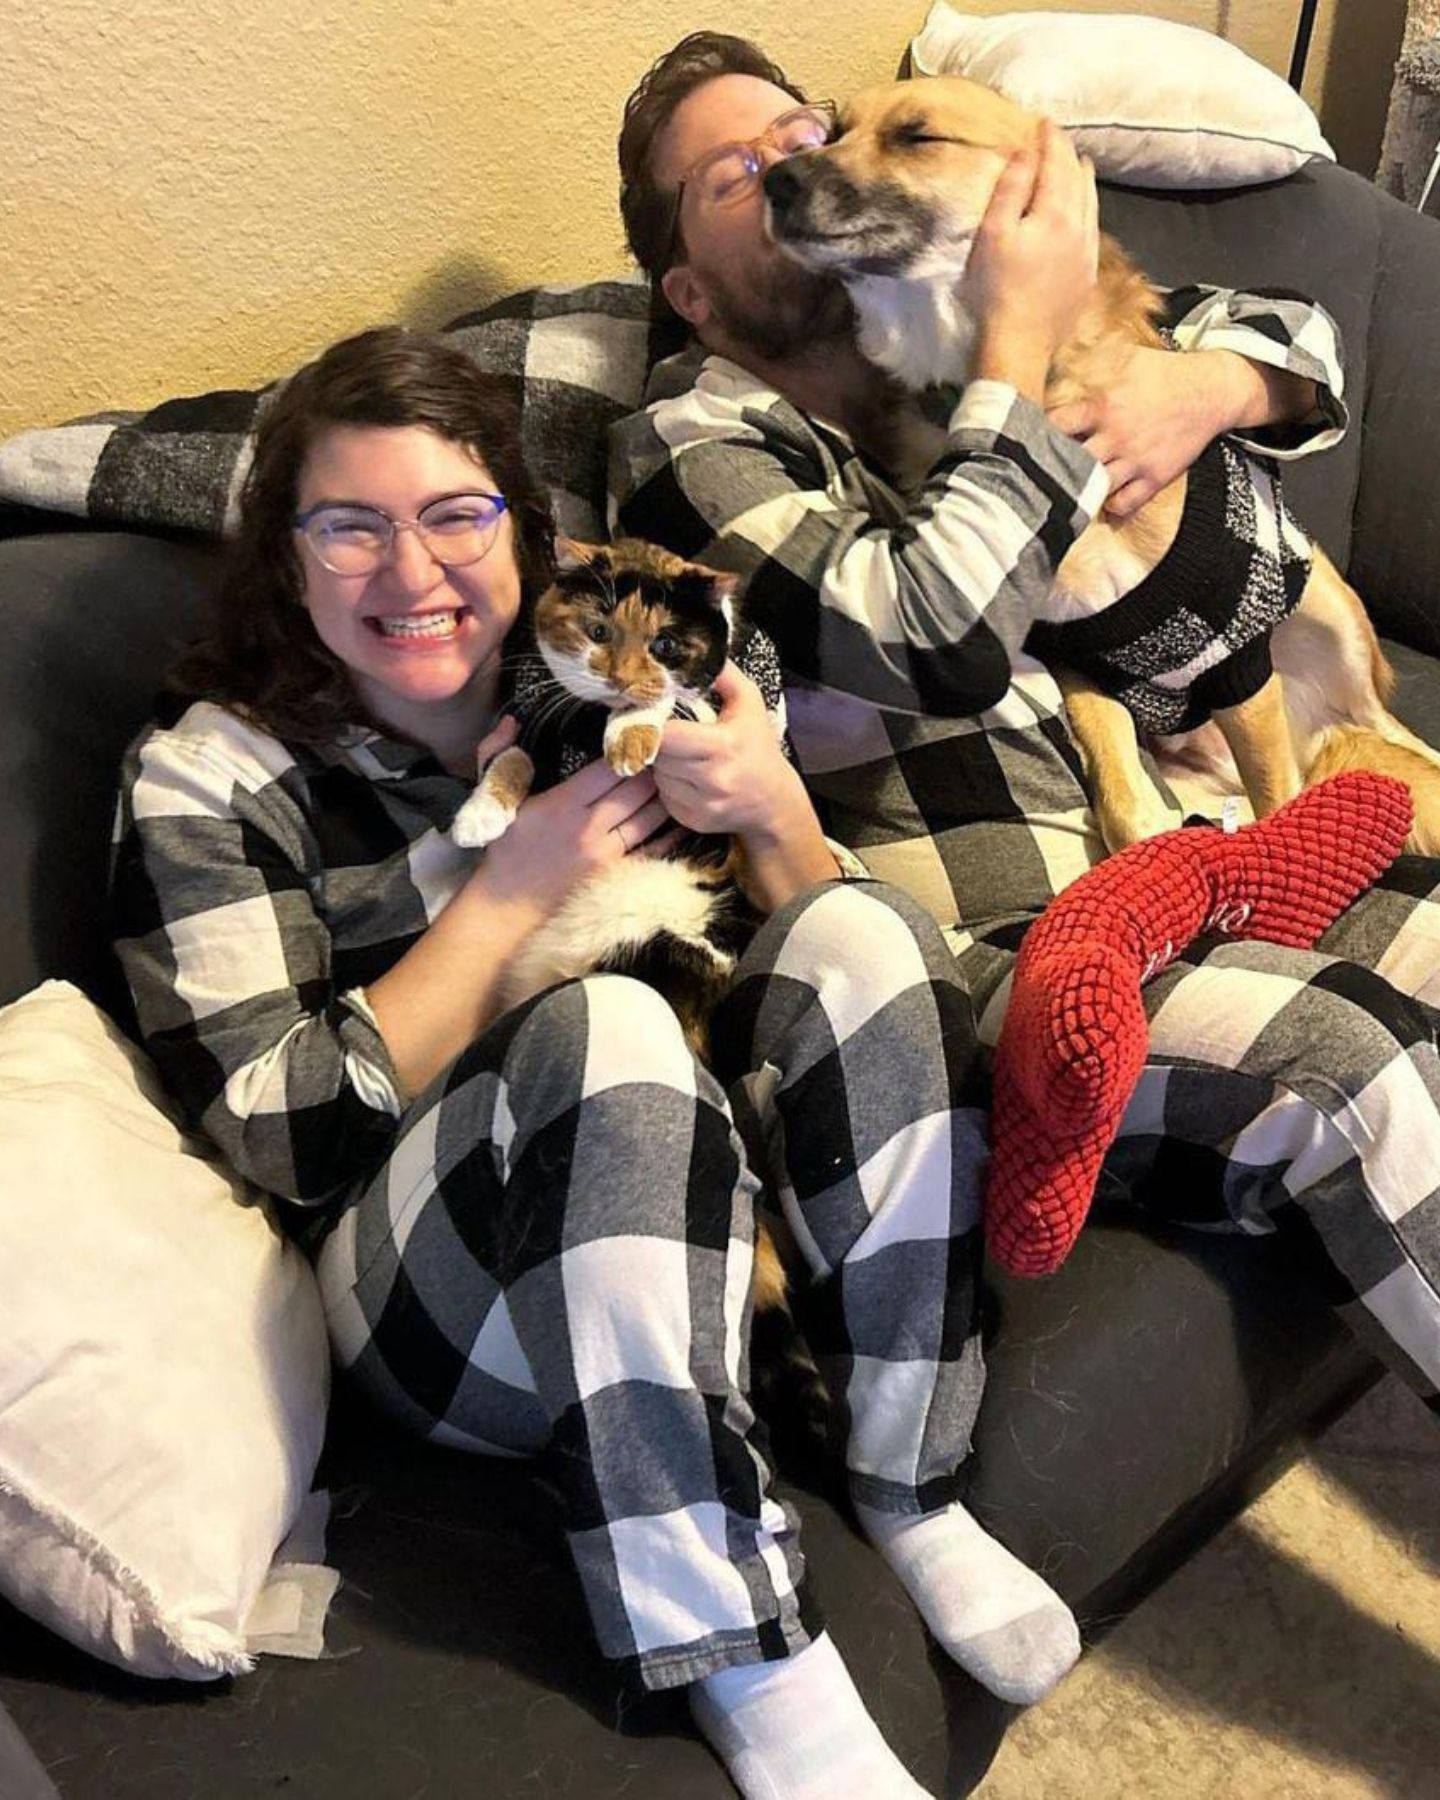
(163, 1361)
(1153, 104)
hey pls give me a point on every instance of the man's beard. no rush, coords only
(785, 310)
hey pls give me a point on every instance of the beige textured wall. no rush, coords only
(198, 193)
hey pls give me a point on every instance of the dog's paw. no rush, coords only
(480, 821)
(1121, 826)
(632, 748)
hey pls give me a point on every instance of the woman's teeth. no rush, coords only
(433, 625)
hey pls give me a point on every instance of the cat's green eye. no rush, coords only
(597, 632)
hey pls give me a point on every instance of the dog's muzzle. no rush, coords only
(823, 220)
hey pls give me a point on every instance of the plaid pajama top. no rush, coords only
(256, 887)
(933, 745)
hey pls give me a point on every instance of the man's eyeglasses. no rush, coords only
(355, 540)
(729, 172)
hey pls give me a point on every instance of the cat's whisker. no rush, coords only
(556, 707)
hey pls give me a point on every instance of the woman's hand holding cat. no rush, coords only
(734, 777)
(446, 987)
(561, 837)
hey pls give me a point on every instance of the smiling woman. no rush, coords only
(413, 587)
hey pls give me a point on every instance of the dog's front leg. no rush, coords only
(490, 811)
(1127, 803)
(1258, 733)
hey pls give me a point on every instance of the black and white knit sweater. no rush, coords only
(1194, 635)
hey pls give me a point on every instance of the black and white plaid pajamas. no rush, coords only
(549, 1252)
(1286, 1091)
(555, 1260)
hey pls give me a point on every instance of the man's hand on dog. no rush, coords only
(1163, 408)
(1033, 265)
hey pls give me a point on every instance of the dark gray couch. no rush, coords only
(1135, 1400)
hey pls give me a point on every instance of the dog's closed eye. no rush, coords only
(916, 131)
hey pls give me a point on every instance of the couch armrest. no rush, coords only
(92, 619)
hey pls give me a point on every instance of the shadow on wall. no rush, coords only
(1360, 66)
(460, 284)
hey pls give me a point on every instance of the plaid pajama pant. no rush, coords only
(556, 1261)
(1298, 1093)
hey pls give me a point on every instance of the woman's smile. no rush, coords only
(420, 631)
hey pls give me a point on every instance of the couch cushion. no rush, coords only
(1396, 557)
(91, 622)
(164, 1370)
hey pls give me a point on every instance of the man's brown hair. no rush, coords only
(648, 210)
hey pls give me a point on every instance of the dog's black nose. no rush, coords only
(782, 184)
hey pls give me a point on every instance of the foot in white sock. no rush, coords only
(995, 1617)
(796, 1729)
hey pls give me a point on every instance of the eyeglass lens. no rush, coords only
(737, 166)
(351, 540)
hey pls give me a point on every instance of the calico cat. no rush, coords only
(625, 637)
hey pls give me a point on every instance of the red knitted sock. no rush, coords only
(1075, 1036)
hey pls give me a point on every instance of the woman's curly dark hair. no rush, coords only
(262, 655)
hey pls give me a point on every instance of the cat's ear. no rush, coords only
(720, 587)
(570, 553)
(724, 585)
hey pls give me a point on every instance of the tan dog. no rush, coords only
(892, 206)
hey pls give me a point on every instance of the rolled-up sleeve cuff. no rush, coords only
(1319, 363)
(368, 1063)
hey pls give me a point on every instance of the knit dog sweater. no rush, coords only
(1075, 1036)
(1194, 635)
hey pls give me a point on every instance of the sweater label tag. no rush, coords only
(1230, 814)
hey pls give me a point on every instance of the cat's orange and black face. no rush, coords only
(627, 624)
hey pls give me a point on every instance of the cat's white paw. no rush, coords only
(480, 821)
(632, 748)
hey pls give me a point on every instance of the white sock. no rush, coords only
(797, 1729)
(995, 1617)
